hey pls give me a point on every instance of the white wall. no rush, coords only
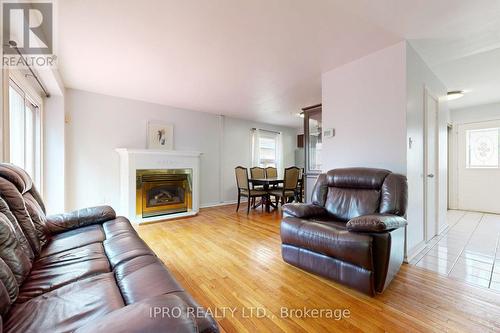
(365, 101)
(419, 77)
(54, 154)
(476, 113)
(375, 104)
(99, 124)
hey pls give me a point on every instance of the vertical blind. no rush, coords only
(24, 133)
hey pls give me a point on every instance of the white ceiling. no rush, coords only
(263, 59)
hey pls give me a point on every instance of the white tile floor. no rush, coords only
(469, 250)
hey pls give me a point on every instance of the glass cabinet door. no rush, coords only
(313, 129)
(313, 133)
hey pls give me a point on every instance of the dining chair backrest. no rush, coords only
(271, 172)
(257, 172)
(241, 177)
(291, 178)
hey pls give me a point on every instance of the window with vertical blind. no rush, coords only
(25, 132)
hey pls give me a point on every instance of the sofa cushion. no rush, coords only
(163, 313)
(117, 226)
(143, 277)
(329, 239)
(79, 218)
(357, 178)
(9, 288)
(11, 251)
(394, 195)
(16, 229)
(17, 206)
(74, 238)
(67, 308)
(124, 247)
(38, 217)
(54, 271)
(303, 210)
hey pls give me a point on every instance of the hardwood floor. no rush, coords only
(232, 262)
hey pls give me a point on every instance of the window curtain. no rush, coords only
(255, 147)
(257, 134)
(279, 155)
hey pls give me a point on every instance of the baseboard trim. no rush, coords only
(217, 204)
(414, 251)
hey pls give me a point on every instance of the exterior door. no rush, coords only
(478, 166)
(431, 165)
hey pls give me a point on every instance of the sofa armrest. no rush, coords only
(163, 313)
(376, 223)
(303, 210)
(79, 218)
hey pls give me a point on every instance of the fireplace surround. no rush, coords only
(158, 185)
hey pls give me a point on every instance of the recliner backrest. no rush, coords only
(351, 192)
(23, 230)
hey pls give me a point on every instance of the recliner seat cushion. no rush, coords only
(125, 247)
(54, 271)
(328, 239)
(67, 308)
(144, 277)
(124, 319)
(73, 239)
(117, 227)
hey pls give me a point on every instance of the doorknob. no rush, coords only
(431, 175)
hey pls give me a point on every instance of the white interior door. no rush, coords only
(478, 166)
(431, 165)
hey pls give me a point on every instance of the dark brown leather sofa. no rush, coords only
(353, 231)
(86, 271)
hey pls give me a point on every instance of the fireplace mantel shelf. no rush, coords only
(158, 152)
(132, 160)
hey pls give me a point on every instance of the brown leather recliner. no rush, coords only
(86, 271)
(353, 231)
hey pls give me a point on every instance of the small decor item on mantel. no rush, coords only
(160, 135)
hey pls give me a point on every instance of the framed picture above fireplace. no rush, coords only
(160, 135)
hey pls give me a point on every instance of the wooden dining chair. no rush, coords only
(244, 187)
(257, 172)
(289, 189)
(300, 186)
(271, 172)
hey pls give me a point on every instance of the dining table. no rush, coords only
(266, 183)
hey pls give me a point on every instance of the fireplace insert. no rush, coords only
(163, 192)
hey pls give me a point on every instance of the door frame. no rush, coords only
(427, 223)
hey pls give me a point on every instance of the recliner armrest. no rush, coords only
(303, 210)
(79, 218)
(376, 223)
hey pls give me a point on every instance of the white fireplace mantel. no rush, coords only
(132, 160)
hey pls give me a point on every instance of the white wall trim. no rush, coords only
(218, 204)
(411, 254)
